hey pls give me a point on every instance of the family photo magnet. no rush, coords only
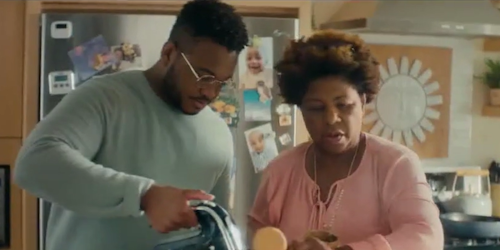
(228, 108)
(256, 79)
(91, 57)
(261, 146)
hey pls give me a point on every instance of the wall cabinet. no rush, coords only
(11, 109)
(11, 68)
(8, 152)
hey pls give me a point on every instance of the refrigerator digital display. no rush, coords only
(61, 82)
(61, 78)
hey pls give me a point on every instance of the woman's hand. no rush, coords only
(344, 248)
(310, 243)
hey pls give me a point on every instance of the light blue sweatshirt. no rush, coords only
(101, 148)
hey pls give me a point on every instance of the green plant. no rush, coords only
(491, 77)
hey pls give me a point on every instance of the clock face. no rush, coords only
(403, 109)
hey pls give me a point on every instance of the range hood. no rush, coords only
(463, 18)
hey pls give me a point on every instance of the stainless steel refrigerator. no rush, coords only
(134, 42)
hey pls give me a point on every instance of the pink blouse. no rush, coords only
(386, 203)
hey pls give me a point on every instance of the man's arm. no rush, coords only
(222, 189)
(54, 161)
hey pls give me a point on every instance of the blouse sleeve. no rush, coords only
(412, 214)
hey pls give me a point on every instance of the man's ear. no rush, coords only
(168, 54)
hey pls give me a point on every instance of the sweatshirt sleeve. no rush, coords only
(412, 214)
(55, 161)
(222, 187)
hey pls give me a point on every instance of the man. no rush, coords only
(136, 142)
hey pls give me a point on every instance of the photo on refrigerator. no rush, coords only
(261, 145)
(127, 57)
(228, 108)
(256, 78)
(91, 57)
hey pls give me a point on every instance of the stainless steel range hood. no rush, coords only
(464, 18)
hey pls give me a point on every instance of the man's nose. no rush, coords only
(210, 93)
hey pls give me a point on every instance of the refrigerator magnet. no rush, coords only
(285, 120)
(285, 139)
(228, 108)
(261, 146)
(256, 78)
(127, 56)
(61, 29)
(283, 109)
(61, 82)
(91, 57)
(256, 107)
(255, 64)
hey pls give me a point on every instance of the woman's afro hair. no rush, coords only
(327, 53)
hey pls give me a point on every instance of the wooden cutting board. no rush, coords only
(413, 106)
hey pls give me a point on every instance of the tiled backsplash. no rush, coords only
(460, 142)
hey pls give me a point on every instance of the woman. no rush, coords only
(369, 192)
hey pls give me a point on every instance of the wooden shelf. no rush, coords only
(491, 44)
(491, 111)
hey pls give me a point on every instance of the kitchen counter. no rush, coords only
(472, 248)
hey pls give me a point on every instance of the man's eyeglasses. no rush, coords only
(206, 80)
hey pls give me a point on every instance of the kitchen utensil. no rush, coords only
(436, 181)
(495, 199)
(440, 205)
(494, 172)
(269, 238)
(473, 201)
(216, 231)
(471, 244)
(464, 226)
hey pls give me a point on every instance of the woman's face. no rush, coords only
(254, 60)
(333, 113)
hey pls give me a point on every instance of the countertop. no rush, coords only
(473, 248)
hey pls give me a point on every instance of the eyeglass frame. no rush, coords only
(206, 80)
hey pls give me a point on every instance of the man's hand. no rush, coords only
(167, 208)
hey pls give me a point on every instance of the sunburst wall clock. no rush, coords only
(413, 105)
(404, 107)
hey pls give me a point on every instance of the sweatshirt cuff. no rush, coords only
(135, 188)
(376, 242)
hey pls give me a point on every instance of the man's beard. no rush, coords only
(171, 93)
(170, 90)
